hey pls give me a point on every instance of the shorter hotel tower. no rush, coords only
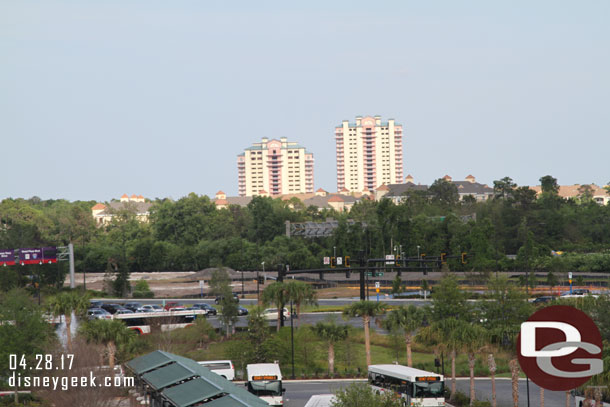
(275, 167)
(369, 154)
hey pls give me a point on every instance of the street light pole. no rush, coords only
(417, 252)
(291, 336)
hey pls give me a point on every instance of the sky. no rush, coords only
(157, 98)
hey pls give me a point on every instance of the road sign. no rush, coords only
(570, 275)
(389, 257)
(377, 289)
(377, 285)
(339, 261)
(380, 273)
(201, 284)
(326, 261)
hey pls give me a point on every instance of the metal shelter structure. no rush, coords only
(167, 380)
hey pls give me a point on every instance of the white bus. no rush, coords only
(265, 382)
(147, 322)
(222, 368)
(416, 387)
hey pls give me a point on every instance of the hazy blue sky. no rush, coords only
(101, 98)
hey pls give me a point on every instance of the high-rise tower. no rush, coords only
(275, 167)
(369, 153)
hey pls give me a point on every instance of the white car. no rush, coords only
(271, 314)
(223, 368)
(150, 308)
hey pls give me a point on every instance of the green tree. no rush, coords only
(300, 293)
(366, 310)
(549, 185)
(258, 333)
(444, 193)
(27, 334)
(220, 285)
(110, 333)
(66, 303)
(277, 294)
(142, 290)
(448, 301)
(443, 334)
(397, 285)
(504, 188)
(331, 333)
(472, 339)
(362, 395)
(408, 320)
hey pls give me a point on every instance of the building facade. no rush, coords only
(369, 154)
(275, 167)
(103, 213)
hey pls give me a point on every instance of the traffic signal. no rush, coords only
(261, 280)
(398, 260)
(464, 257)
(348, 273)
(347, 263)
(280, 273)
(333, 262)
(443, 258)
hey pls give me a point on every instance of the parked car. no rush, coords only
(206, 307)
(123, 311)
(222, 368)
(241, 310)
(172, 304)
(112, 308)
(577, 293)
(150, 308)
(132, 306)
(98, 313)
(221, 297)
(543, 299)
(271, 313)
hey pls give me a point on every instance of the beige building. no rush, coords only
(369, 154)
(103, 213)
(598, 194)
(275, 167)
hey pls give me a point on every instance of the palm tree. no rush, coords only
(442, 334)
(491, 363)
(331, 333)
(366, 310)
(65, 304)
(472, 339)
(300, 293)
(406, 319)
(514, 374)
(110, 333)
(276, 293)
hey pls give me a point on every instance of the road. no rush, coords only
(297, 393)
(251, 301)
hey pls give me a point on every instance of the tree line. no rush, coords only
(191, 234)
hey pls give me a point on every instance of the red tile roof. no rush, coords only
(336, 198)
(98, 207)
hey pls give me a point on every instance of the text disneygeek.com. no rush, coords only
(66, 382)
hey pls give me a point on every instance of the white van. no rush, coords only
(265, 382)
(222, 368)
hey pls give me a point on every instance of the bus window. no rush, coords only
(428, 389)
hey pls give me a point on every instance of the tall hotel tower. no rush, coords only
(369, 153)
(275, 167)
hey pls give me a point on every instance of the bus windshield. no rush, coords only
(428, 389)
(265, 388)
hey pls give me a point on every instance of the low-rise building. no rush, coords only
(104, 212)
(598, 194)
(468, 187)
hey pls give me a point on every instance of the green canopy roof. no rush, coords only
(150, 361)
(227, 401)
(191, 392)
(165, 376)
